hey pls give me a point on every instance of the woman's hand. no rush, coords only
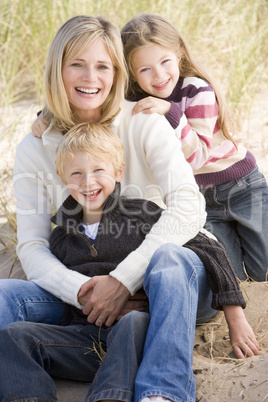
(38, 127)
(103, 298)
(241, 334)
(151, 105)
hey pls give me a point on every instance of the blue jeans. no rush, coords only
(237, 215)
(147, 354)
(25, 301)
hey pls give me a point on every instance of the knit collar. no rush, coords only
(71, 211)
(176, 90)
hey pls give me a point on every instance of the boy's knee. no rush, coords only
(168, 257)
(171, 266)
(165, 255)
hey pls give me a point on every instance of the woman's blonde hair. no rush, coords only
(146, 29)
(72, 38)
(94, 139)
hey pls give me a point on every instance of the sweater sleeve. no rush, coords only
(174, 115)
(34, 186)
(195, 120)
(151, 142)
(220, 273)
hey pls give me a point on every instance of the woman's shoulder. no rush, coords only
(36, 147)
(138, 119)
(29, 142)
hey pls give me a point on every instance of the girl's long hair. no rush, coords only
(72, 38)
(146, 29)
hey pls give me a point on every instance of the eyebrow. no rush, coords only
(159, 60)
(98, 61)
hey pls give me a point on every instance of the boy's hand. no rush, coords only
(38, 127)
(241, 334)
(106, 300)
(84, 293)
(151, 105)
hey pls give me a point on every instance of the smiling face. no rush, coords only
(90, 181)
(156, 70)
(88, 79)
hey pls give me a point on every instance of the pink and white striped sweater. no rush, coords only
(194, 116)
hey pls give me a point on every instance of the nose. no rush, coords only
(157, 72)
(89, 179)
(89, 74)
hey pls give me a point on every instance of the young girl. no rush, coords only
(165, 78)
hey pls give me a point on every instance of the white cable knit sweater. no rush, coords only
(155, 169)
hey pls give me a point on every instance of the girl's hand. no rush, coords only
(106, 298)
(151, 105)
(38, 127)
(241, 334)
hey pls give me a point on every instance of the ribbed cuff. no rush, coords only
(230, 298)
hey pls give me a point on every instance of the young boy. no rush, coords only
(96, 227)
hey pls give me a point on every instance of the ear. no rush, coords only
(119, 174)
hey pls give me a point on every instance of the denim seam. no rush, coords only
(112, 394)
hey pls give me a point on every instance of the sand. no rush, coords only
(219, 375)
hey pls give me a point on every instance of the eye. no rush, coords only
(76, 173)
(165, 61)
(103, 67)
(99, 170)
(144, 69)
(76, 65)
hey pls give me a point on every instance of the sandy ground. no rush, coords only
(219, 375)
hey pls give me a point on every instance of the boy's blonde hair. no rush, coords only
(93, 139)
(146, 29)
(72, 38)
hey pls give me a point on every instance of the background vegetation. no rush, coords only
(229, 37)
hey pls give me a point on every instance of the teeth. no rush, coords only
(91, 193)
(88, 91)
(162, 84)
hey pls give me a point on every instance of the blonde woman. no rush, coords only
(84, 80)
